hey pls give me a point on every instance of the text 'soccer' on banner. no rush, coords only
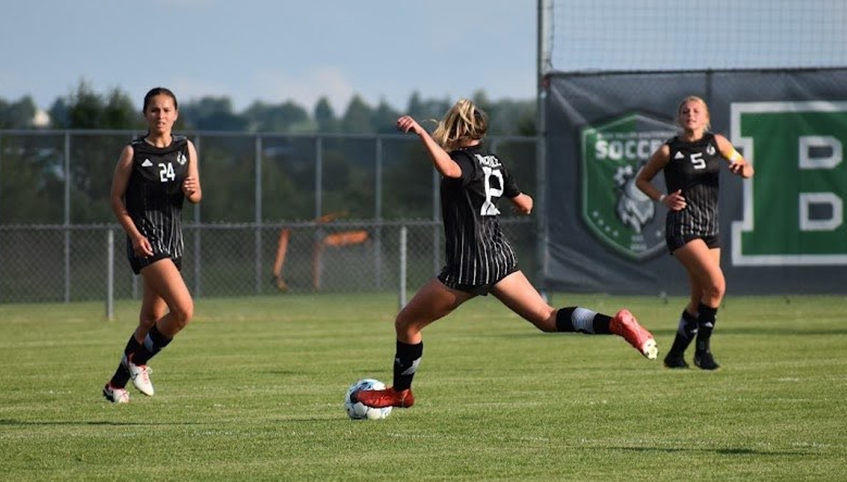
(615, 210)
(794, 205)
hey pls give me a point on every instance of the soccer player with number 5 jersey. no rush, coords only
(691, 164)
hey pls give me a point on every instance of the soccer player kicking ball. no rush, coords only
(479, 258)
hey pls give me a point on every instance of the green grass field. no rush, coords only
(253, 388)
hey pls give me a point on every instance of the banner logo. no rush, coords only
(794, 204)
(614, 209)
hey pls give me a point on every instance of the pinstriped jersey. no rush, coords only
(154, 195)
(477, 251)
(694, 168)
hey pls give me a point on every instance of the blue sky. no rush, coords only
(272, 50)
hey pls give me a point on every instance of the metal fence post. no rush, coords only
(317, 260)
(1, 199)
(258, 211)
(197, 231)
(378, 216)
(403, 235)
(110, 274)
(67, 220)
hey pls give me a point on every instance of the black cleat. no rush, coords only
(705, 361)
(675, 361)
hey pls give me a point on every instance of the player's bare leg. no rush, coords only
(517, 293)
(433, 301)
(704, 266)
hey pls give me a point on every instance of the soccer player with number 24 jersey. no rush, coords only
(154, 174)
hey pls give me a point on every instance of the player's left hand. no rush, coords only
(737, 167)
(189, 186)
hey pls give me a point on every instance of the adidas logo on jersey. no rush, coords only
(679, 155)
(146, 163)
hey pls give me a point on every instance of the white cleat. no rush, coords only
(140, 376)
(115, 395)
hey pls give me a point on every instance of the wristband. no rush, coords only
(662, 198)
(734, 155)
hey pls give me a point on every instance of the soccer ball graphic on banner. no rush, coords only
(358, 411)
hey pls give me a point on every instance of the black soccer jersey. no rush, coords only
(154, 197)
(477, 252)
(693, 168)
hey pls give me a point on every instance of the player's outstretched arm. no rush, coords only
(522, 203)
(737, 163)
(446, 166)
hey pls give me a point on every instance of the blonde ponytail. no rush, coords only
(463, 122)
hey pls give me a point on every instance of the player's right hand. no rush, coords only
(675, 201)
(407, 124)
(141, 247)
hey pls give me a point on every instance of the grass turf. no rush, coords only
(253, 390)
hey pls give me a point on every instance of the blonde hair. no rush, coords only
(694, 98)
(463, 122)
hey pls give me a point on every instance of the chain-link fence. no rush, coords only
(298, 213)
(666, 35)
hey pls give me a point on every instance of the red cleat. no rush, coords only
(625, 325)
(388, 397)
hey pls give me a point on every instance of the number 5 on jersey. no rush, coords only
(697, 160)
(166, 172)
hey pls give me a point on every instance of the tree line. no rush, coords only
(85, 108)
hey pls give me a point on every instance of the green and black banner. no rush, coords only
(782, 231)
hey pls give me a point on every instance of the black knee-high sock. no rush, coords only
(705, 325)
(406, 363)
(574, 318)
(153, 343)
(685, 332)
(121, 375)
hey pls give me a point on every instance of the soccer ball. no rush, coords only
(358, 411)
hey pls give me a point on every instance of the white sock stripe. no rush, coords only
(148, 343)
(412, 369)
(583, 319)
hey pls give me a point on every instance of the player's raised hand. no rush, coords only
(407, 124)
(675, 201)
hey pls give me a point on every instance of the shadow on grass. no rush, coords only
(10, 422)
(760, 332)
(670, 332)
(723, 451)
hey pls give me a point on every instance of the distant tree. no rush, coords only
(17, 115)
(415, 107)
(285, 117)
(58, 113)
(426, 111)
(120, 112)
(84, 108)
(212, 114)
(357, 118)
(384, 117)
(325, 116)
